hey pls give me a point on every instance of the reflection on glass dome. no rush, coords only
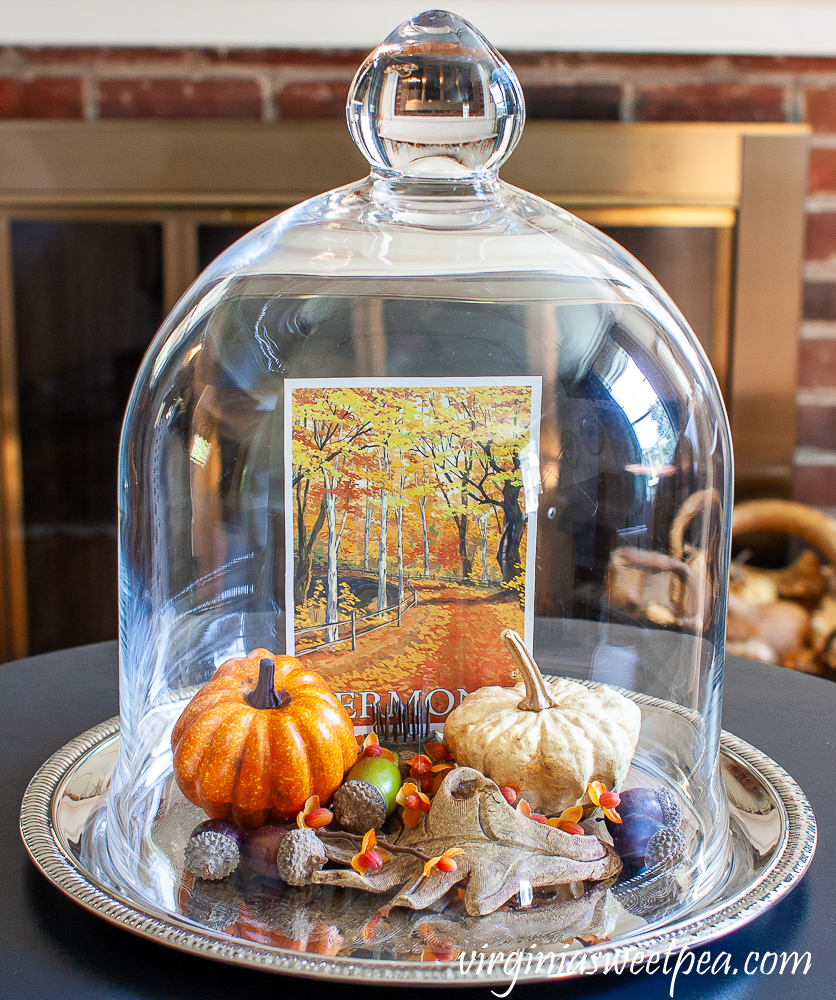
(424, 514)
(436, 99)
(649, 419)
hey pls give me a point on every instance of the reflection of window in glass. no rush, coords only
(648, 417)
(442, 89)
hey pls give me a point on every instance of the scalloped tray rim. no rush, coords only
(791, 859)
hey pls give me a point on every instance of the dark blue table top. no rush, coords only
(50, 947)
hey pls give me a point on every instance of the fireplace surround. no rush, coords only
(715, 210)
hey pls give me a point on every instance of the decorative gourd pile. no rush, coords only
(265, 741)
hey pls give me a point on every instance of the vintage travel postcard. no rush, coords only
(411, 511)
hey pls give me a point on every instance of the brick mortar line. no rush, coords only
(793, 103)
(813, 330)
(819, 270)
(281, 76)
(269, 106)
(89, 99)
(824, 201)
(653, 77)
(818, 396)
(627, 102)
(192, 74)
(653, 74)
(810, 457)
(719, 67)
(322, 71)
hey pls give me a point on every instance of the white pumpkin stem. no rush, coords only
(537, 696)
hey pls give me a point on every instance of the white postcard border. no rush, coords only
(535, 382)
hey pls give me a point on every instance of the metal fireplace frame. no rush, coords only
(746, 181)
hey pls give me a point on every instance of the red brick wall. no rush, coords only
(271, 84)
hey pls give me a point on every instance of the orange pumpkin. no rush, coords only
(259, 738)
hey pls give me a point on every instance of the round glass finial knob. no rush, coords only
(435, 99)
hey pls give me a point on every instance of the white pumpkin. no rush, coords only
(549, 738)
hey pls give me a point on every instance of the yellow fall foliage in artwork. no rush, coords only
(409, 528)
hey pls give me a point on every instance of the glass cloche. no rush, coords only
(425, 491)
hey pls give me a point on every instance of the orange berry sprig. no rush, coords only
(524, 808)
(510, 793)
(444, 862)
(420, 764)
(420, 768)
(608, 801)
(370, 857)
(427, 775)
(414, 802)
(567, 821)
(313, 816)
(372, 748)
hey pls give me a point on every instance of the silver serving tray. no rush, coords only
(773, 840)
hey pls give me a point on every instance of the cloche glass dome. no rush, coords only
(425, 490)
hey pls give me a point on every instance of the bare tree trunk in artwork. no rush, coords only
(331, 589)
(381, 550)
(367, 534)
(483, 528)
(464, 549)
(399, 522)
(508, 554)
(422, 503)
(305, 544)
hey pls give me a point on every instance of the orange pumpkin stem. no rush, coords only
(264, 694)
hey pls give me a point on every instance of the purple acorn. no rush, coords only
(642, 816)
(258, 854)
(214, 849)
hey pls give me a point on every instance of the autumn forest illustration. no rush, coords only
(409, 536)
